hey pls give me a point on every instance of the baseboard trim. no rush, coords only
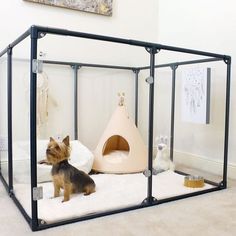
(204, 163)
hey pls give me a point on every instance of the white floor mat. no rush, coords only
(112, 192)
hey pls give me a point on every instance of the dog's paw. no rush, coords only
(44, 162)
(65, 200)
(55, 196)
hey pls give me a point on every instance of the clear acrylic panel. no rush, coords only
(3, 120)
(198, 128)
(109, 147)
(21, 124)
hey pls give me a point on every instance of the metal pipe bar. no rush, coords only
(227, 107)
(75, 69)
(183, 63)
(20, 38)
(88, 65)
(136, 96)
(81, 64)
(172, 121)
(4, 51)
(150, 123)
(33, 127)
(9, 118)
(127, 67)
(21, 208)
(14, 43)
(91, 216)
(170, 199)
(124, 41)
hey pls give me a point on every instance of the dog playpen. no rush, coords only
(115, 192)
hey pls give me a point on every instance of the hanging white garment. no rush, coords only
(42, 99)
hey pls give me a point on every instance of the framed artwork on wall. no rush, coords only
(196, 95)
(103, 7)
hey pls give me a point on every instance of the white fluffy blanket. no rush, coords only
(112, 192)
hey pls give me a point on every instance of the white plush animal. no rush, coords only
(162, 160)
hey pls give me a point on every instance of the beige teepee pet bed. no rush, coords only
(121, 148)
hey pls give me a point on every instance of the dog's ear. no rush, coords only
(66, 140)
(52, 140)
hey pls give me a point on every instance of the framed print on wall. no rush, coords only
(103, 7)
(196, 95)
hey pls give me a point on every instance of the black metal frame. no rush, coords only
(36, 32)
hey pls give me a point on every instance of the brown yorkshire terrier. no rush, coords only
(64, 175)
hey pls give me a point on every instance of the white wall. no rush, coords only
(130, 19)
(208, 26)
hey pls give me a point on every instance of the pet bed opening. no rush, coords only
(115, 143)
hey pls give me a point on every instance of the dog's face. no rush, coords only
(58, 151)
